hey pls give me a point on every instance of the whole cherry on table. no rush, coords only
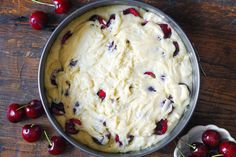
(61, 6)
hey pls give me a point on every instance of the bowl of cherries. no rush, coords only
(206, 141)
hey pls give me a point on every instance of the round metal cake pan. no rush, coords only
(195, 86)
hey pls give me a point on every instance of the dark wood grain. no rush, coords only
(210, 25)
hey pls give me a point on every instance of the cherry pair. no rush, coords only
(225, 149)
(16, 112)
(212, 146)
(33, 132)
(39, 19)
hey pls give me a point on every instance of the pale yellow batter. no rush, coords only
(118, 81)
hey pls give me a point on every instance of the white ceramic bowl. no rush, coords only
(195, 135)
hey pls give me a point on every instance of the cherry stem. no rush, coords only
(49, 141)
(191, 146)
(22, 23)
(21, 107)
(48, 4)
(179, 150)
(31, 125)
(181, 153)
(27, 23)
(217, 155)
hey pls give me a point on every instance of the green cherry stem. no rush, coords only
(179, 150)
(186, 143)
(48, 4)
(21, 107)
(181, 153)
(217, 155)
(191, 146)
(31, 125)
(49, 141)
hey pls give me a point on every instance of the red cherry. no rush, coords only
(211, 138)
(150, 74)
(100, 20)
(166, 30)
(198, 149)
(71, 124)
(161, 127)
(57, 146)
(117, 139)
(38, 20)
(131, 11)
(76, 121)
(70, 128)
(227, 148)
(62, 6)
(176, 52)
(65, 37)
(112, 17)
(101, 94)
(15, 112)
(31, 132)
(34, 109)
(57, 108)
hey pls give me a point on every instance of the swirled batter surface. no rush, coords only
(118, 78)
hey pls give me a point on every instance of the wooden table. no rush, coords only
(210, 25)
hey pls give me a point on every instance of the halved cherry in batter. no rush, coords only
(176, 52)
(161, 127)
(57, 108)
(66, 37)
(112, 17)
(131, 11)
(101, 94)
(150, 74)
(117, 139)
(99, 19)
(166, 30)
(70, 126)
